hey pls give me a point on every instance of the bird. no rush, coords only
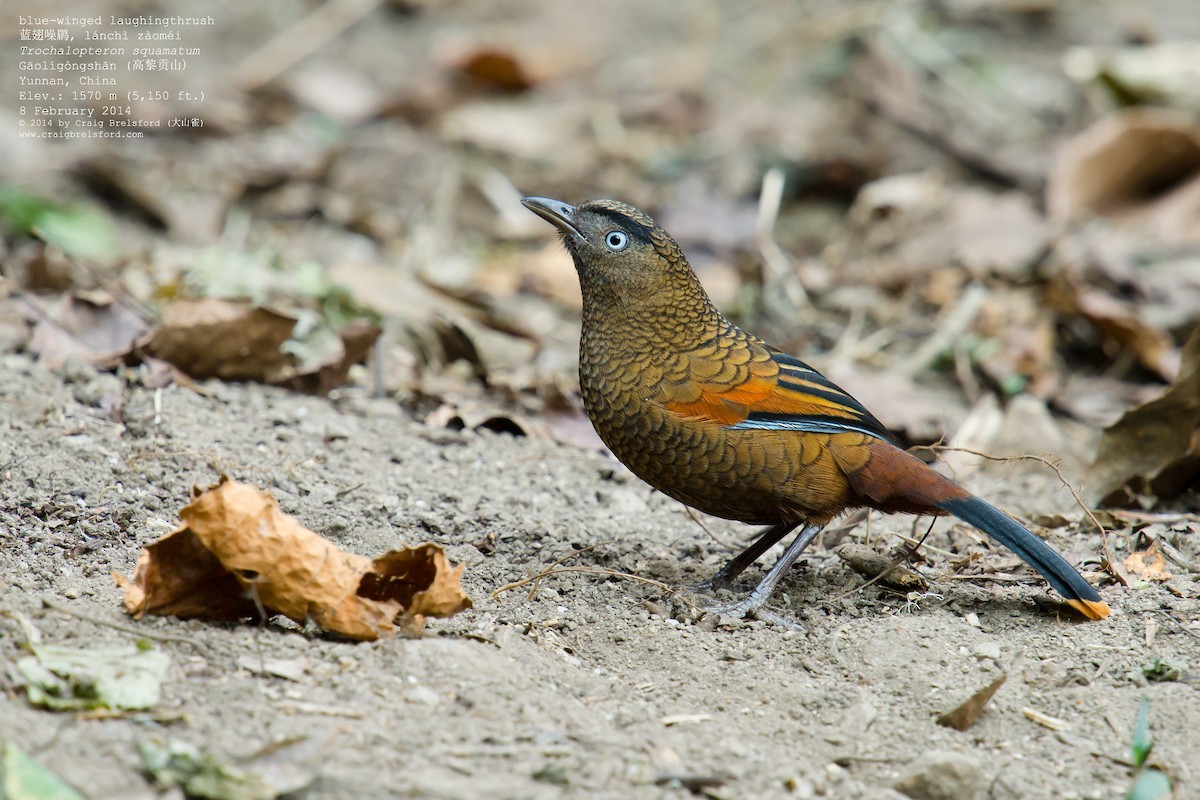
(718, 419)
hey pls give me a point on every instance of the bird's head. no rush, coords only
(619, 251)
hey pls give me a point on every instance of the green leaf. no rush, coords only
(80, 230)
(67, 679)
(199, 774)
(1150, 784)
(22, 778)
(282, 769)
(1142, 742)
(1165, 669)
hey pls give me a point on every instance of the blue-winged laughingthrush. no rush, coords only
(716, 418)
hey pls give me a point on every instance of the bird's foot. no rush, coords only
(749, 608)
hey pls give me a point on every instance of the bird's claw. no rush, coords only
(749, 609)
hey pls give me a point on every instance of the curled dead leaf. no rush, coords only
(92, 326)
(1148, 564)
(1122, 323)
(1154, 448)
(1140, 167)
(328, 373)
(237, 551)
(213, 337)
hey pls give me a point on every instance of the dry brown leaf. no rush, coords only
(1154, 448)
(237, 549)
(963, 717)
(1148, 564)
(1123, 323)
(1139, 168)
(92, 326)
(229, 339)
(358, 337)
(493, 68)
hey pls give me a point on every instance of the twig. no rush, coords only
(704, 528)
(293, 44)
(1108, 554)
(553, 564)
(900, 559)
(144, 634)
(1057, 471)
(952, 326)
(778, 265)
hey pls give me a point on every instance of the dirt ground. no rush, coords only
(592, 688)
(914, 255)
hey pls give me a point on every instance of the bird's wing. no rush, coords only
(743, 384)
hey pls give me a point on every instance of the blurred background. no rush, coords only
(980, 216)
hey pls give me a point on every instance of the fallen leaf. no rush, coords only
(521, 129)
(335, 90)
(237, 548)
(22, 778)
(474, 416)
(1126, 325)
(1139, 168)
(901, 228)
(1148, 564)
(284, 768)
(1154, 448)
(83, 231)
(213, 337)
(493, 68)
(963, 717)
(331, 370)
(1165, 669)
(91, 326)
(72, 679)
(1163, 73)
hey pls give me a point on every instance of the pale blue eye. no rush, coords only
(615, 240)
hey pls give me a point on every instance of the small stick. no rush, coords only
(952, 326)
(293, 44)
(779, 266)
(553, 564)
(704, 528)
(1057, 471)
(162, 637)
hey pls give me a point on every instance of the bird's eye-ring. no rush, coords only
(615, 240)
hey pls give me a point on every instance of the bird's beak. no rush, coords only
(559, 214)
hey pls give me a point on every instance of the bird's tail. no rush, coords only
(1039, 555)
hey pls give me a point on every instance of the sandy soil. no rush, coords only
(595, 687)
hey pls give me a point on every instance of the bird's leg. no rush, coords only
(759, 594)
(765, 540)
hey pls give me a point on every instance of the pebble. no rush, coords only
(987, 650)
(422, 695)
(943, 775)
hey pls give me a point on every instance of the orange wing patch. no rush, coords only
(725, 405)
